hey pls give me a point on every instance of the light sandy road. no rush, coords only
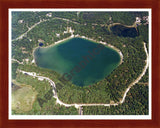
(66, 20)
(54, 86)
(44, 20)
(140, 76)
(17, 61)
(29, 29)
(33, 74)
(78, 106)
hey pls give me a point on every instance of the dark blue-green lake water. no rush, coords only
(81, 61)
(121, 30)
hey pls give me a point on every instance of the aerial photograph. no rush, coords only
(79, 62)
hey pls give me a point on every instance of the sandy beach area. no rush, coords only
(72, 36)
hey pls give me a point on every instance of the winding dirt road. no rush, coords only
(17, 61)
(44, 20)
(78, 106)
(140, 76)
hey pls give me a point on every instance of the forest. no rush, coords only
(92, 25)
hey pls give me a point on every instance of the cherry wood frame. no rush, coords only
(6, 4)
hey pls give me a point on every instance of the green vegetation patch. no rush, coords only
(44, 103)
(92, 25)
(23, 98)
(136, 103)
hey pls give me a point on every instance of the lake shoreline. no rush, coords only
(108, 45)
(83, 37)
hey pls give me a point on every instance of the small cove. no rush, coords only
(94, 61)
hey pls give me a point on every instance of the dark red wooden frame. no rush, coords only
(6, 4)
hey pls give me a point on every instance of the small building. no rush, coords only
(146, 18)
(57, 34)
(110, 18)
(69, 30)
(33, 61)
(65, 32)
(20, 21)
(49, 15)
(138, 20)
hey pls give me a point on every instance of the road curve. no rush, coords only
(44, 20)
(96, 104)
(140, 76)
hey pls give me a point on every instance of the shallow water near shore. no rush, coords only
(81, 61)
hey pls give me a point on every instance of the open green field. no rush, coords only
(23, 98)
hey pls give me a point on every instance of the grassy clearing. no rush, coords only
(23, 98)
(25, 87)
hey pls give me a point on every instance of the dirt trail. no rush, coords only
(78, 106)
(44, 20)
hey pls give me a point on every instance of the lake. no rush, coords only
(121, 30)
(81, 61)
